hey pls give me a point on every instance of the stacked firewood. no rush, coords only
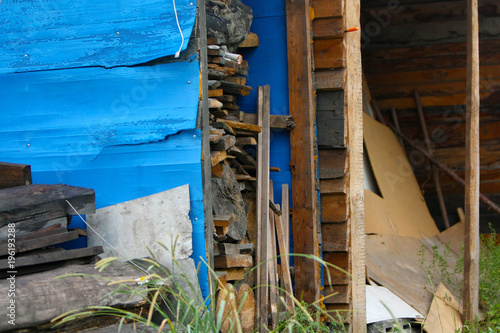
(34, 218)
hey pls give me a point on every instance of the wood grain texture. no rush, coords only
(329, 53)
(304, 197)
(334, 208)
(472, 165)
(354, 112)
(328, 8)
(13, 174)
(55, 35)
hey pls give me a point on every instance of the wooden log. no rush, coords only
(57, 296)
(234, 260)
(434, 169)
(226, 302)
(262, 206)
(301, 96)
(12, 175)
(472, 165)
(246, 307)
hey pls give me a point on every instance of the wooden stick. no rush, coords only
(262, 206)
(285, 216)
(273, 262)
(378, 113)
(447, 170)
(285, 266)
(472, 167)
(434, 169)
(396, 123)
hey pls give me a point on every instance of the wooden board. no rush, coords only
(334, 208)
(395, 178)
(330, 27)
(13, 174)
(333, 186)
(337, 294)
(335, 236)
(233, 260)
(444, 314)
(328, 8)
(329, 53)
(332, 79)
(340, 260)
(393, 262)
(39, 242)
(304, 197)
(332, 163)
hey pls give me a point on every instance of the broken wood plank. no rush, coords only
(218, 157)
(13, 174)
(215, 93)
(242, 126)
(224, 143)
(224, 126)
(246, 141)
(234, 260)
(252, 40)
(242, 80)
(242, 156)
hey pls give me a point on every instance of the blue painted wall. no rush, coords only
(126, 132)
(269, 65)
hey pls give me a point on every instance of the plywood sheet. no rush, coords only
(454, 236)
(393, 262)
(398, 185)
(444, 315)
(377, 216)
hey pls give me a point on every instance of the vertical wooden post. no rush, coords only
(304, 196)
(262, 206)
(205, 144)
(354, 115)
(471, 256)
(434, 169)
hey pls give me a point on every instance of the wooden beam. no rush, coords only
(472, 165)
(262, 206)
(12, 175)
(273, 262)
(285, 267)
(304, 197)
(354, 115)
(434, 169)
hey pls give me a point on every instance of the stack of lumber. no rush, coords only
(34, 218)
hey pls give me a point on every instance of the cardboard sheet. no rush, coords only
(444, 315)
(408, 211)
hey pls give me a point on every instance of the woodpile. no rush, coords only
(34, 218)
(249, 227)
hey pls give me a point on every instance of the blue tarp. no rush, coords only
(126, 132)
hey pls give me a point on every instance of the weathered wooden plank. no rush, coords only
(242, 156)
(233, 260)
(333, 186)
(218, 157)
(335, 236)
(332, 163)
(285, 266)
(262, 205)
(332, 79)
(277, 121)
(241, 126)
(37, 243)
(246, 141)
(55, 297)
(44, 258)
(330, 27)
(252, 40)
(472, 164)
(337, 276)
(328, 8)
(338, 294)
(354, 112)
(13, 174)
(304, 197)
(333, 208)
(35, 204)
(224, 143)
(329, 53)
